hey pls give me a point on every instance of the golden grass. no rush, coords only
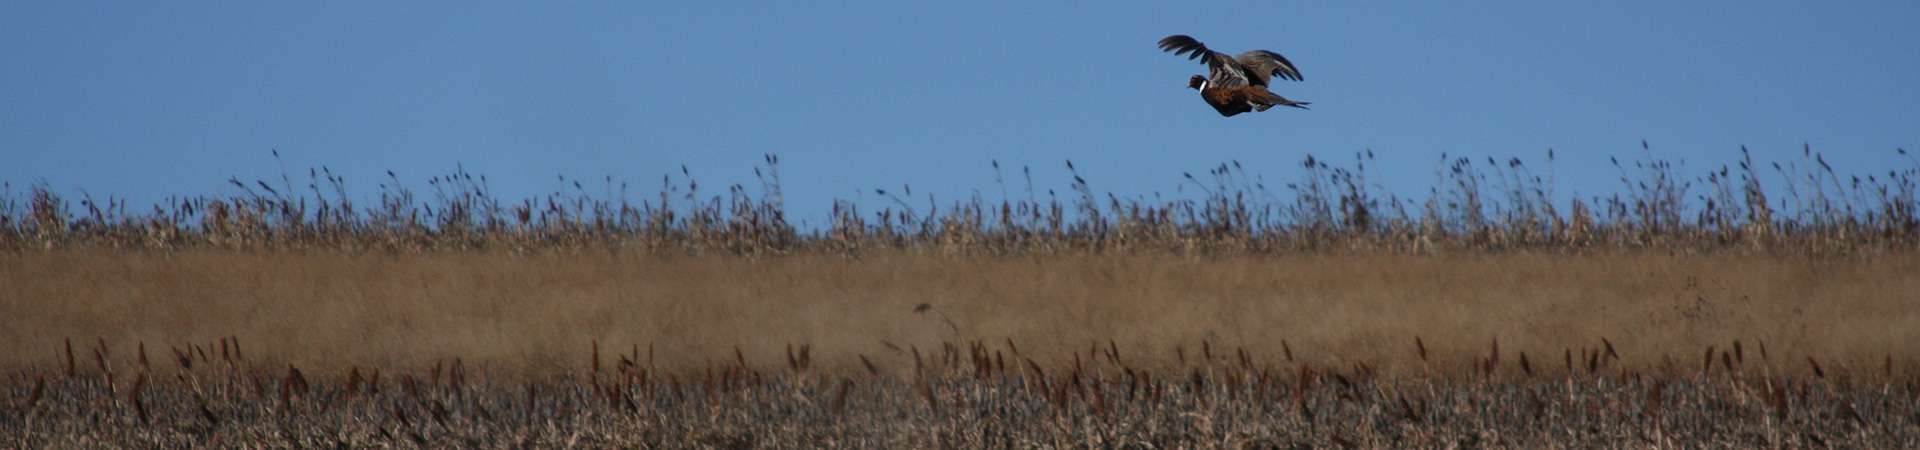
(541, 313)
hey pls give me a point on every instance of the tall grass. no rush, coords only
(1474, 204)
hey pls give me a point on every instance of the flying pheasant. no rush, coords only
(1234, 85)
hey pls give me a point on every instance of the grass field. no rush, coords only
(1684, 311)
(1352, 333)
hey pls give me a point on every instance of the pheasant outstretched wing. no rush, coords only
(1264, 65)
(1222, 70)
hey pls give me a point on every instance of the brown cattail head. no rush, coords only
(793, 362)
(39, 388)
(1706, 362)
(69, 357)
(596, 356)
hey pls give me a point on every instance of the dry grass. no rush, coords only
(638, 350)
(1685, 310)
(534, 313)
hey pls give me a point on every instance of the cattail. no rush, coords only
(373, 382)
(1726, 359)
(1286, 349)
(1706, 363)
(1420, 348)
(1654, 400)
(144, 366)
(1817, 373)
(875, 371)
(353, 381)
(1525, 366)
(69, 357)
(286, 394)
(917, 365)
(133, 396)
(106, 371)
(1038, 373)
(1738, 355)
(1113, 352)
(596, 356)
(299, 380)
(456, 378)
(1206, 350)
(839, 402)
(933, 401)
(532, 405)
(793, 363)
(39, 388)
(739, 358)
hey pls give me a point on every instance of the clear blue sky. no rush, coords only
(141, 99)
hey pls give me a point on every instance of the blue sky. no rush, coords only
(142, 99)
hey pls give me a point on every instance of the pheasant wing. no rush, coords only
(1222, 70)
(1263, 65)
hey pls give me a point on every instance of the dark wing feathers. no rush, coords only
(1266, 65)
(1222, 70)
(1255, 67)
(1184, 45)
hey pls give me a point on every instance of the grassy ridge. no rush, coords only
(1474, 204)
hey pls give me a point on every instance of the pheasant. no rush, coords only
(1235, 84)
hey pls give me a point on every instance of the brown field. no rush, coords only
(1687, 310)
(539, 313)
(1253, 327)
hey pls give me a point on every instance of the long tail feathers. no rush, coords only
(1269, 100)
